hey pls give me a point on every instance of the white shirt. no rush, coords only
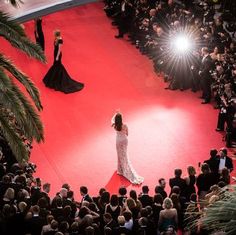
(222, 163)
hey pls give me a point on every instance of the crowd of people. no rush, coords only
(209, 66)
(27, 208)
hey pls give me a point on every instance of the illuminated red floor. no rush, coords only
(168, 129)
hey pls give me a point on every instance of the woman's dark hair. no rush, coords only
(133, 194)
(114, 200)
(105, 197)
(118, 122)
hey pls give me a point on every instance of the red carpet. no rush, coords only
(167, 129)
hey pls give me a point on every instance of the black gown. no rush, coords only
(57, 77)
(39, 36)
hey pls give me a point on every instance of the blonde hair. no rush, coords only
(9, 194)
(167, 203)
(130, 203)
(191, 170)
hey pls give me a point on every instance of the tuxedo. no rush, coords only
(228, 163)
(206, 66)
(34, 225)
(121, 230)
(86, 198)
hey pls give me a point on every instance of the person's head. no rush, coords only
(57, 33)
(42, 202)
(145, 189)
(58, 202)
(178, 173)
(83, 190)
(223, 152)
(83, 211)
(204, 51)
(121, 220)
(67, 186)
(191, 170)
(130, 203)
(127, 215)
(167, 203)
(216, 50)
(158, 198)
(122, 191)
(74, 227)
(89, 230)
(49, 219)
(143, 221)
(205, 168)
(162, 182)
(176, 189)
(133, 194)
(225, 172)
(35, 209)
(213, 153)
(63, 192)
(64, 226)
(118, 122)
(114, 200)
(105, 197)
(108, 231)
(175, 198)
(101, 190)
(152, 12)
(107, 217)
(9, 194)
(22, 206)
(70, 194)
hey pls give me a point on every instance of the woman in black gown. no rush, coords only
(57, 76)
(38, 32)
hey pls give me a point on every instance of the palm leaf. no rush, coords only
(15, 142)
(32, 118)
(16, 3)
(12, 102)
(28, 84)
(11, 31)
(219, 216)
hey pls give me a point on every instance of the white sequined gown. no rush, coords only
(124, 167)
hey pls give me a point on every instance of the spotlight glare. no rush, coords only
(182, 44)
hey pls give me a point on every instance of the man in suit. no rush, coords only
(121, 229)
(178, 181)
(225, 161)
(144, 198)
(125, 18)
(85, 195)
(161, 188)
(205, 80)
(34, 225)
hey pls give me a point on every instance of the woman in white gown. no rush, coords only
(124, 167)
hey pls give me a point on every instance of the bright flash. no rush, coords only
(181, 44)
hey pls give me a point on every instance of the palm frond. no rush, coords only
(32, 118)
(219, 216)
(16, 3)
(10, 30)
(15, 142)
(28, 84)
(9, 99)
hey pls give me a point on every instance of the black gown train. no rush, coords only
(57, 77)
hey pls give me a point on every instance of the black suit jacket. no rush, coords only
(206, 66)
(146, 200)
(229, 163)
(213, 163)
(178, 182)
